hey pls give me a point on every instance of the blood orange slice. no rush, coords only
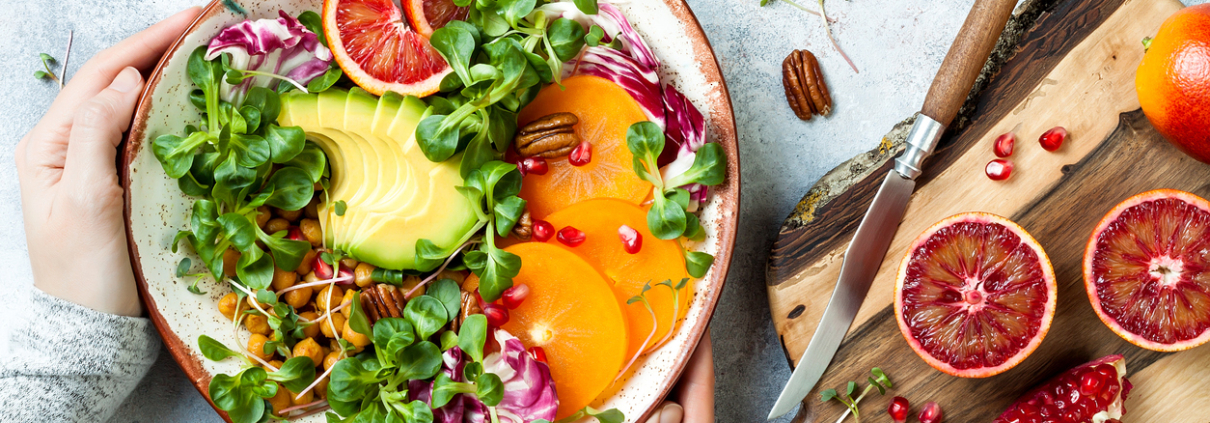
(1147, 270)
(379, 51)
(428, 15)
(975, 295)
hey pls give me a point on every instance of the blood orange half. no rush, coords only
(428, 15)
(1147, 270)
(380, 51)
(975, 295)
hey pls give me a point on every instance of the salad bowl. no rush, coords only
(155, 209)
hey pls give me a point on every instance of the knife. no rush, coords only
(869, 246)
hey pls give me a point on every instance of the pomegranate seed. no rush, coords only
(346, 273)
(1053, 139)
(513, 297)
(580, 155)
(1004, 144)
(537, 353)
(496, 314)
(543, 230)
(898, 409)
(632, 240)
(322, 269)
(511, 156)
(533, 166)
(931, 413)
(999, 169)
(1090, 383)
(570, 236)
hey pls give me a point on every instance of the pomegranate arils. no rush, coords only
(931, 413)
(632, 240)
(1053, 139)
(513, 297)
(537, 353)
(295, 234)
(570, 236)
(322, 269)
(999, 169)
(1074, 396)
(1004, 144)
(898, 409)
(580, 155)
(533, 166)
(543, 230)
(511, 156)
(496, 314)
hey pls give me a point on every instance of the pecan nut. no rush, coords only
(470, 305)
(524, 228)
(548, 137)
(382, 300)
(805, 88)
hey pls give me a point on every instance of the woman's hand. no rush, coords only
(70, 196)
(695, 393)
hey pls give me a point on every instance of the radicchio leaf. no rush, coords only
(529, 391)
(281, 46)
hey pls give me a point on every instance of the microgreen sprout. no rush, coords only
(655, 322)
(48, 61)
(182, 271)
(827, 27)
(879, 381)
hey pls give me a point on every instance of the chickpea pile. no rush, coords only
(320, 340)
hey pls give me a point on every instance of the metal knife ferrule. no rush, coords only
(920, 144)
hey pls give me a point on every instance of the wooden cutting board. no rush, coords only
(1075, 68)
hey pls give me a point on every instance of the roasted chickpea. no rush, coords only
(277, 225)
(362, 274)
(306, 397)
(310, 330)
(311, 231)
(357, 339)
(227, 305)
(257, 324)
(321, 388)
(348, 298)
(304, 267)
(273, 365)
(308, 348)
(283, 279)
(348, 263)
(311, 277)
(409, 283)
(331, 359)
(291, 215)
(262, 216)
(329, 298)
(337, 321)
(230, 259)
(312, 208)
(457, 276)
(256, 346)
(281, 400)
(299, 297)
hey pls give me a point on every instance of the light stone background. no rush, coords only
(897, 46)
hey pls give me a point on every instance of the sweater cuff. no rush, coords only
(83, 338)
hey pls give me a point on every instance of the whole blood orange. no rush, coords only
(572, 315)
(605, 112)
(380, 51)
(428, 15)
(1147, 271)
(1173, 81)
(975, 295)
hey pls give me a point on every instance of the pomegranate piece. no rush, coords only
(513, 297)
(1004, 145)
(295, 234)
(1053, 139)
(632, 240)
(898, 409)
(543, 230)
(999, 169)
(322, 269)
(580, 155)
(570, 236)
(931, 413)
(496, 314)
(533, 166)
(537, 353)
(1097, 388)
(511, 156)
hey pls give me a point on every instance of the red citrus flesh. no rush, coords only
(1147, 272)
(380, 51)
(1092, 391)
(428, 15)
(975, 295)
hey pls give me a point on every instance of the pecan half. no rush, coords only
(469, 306)
(805, 88)
(381, 301)
(524, 228)
(548, 137)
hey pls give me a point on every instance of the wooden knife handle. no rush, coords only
(965, 59)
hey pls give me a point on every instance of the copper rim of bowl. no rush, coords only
(721, 120)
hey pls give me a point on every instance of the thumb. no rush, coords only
(97, 129)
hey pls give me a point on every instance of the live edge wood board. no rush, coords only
(1074, 68)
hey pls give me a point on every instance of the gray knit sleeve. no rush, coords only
(69, 363)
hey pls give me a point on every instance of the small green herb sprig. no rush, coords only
(655, 321)
(827, 26)
(48, 61)
(495, 186)
(668, 218)
(243, 394)
(879, 380)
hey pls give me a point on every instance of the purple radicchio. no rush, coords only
(281, 46)
(462, 408)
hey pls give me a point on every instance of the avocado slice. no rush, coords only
(394, 195)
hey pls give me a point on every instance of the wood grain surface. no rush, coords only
(1074, 69)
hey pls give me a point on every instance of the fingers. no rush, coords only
(669, 412)
(697, 384)
(97, 129)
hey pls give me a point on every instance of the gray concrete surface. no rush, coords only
(897, 46)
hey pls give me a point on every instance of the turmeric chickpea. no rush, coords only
(281, 400)
(457, 276)
(312, 208)
(257, 324)
(290, 215)
(299, 297)
(329, 298)
(331, 359)
(362, 274)
(276, 225)
(311, 231)
(321, 388)
(409, 283)
(357, 339)
(311, 277)
(273, 365)
(310, 330)
(283, 279)
(227, 305)
(306, 398)
(325, 327)
(310, 349)
(348, 263)
(256, 346)
(304, 267)
(230, 259)
(348, 298)
(262, 216)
